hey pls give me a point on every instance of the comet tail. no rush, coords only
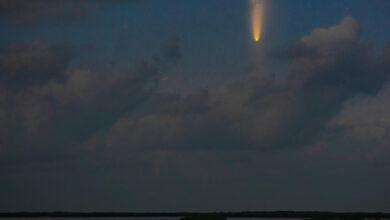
(257, 13)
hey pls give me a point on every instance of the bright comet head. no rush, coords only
(257, 14)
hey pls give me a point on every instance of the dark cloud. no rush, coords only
(261, 112)
(107, 108)
(24, 65)
(172, 48)
(59, 102)
(226, 117)
(385, 61)
(65, 125)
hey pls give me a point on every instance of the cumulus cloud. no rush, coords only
(226, 117)
(325, 40)
(337, 58)
(26, 64)
(107, 108)
(366, 117)
(53, 101)
(327, 67)
(100, 116)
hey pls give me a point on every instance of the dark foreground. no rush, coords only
(274, 214)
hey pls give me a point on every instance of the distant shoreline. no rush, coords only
(273, 214)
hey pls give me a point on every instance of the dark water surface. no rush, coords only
(133, 218)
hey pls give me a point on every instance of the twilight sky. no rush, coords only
(169, 105)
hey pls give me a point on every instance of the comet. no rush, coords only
(257, 18)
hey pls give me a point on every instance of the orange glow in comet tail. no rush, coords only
(257, 12)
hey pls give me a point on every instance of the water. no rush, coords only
(134, 218)
(93, 218)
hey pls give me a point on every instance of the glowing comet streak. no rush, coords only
(257, 13)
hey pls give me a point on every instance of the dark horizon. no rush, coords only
(238, 214)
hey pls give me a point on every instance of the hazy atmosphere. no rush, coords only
(194, 105)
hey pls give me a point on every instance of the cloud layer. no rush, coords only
(326, 68)
(48, 96)
(48, 99)
(78, 124)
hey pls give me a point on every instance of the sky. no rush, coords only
(150, 105)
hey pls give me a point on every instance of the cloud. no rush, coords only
(338, 58)
(33, 63)
(6, 119)
(55, 101)
(327, 39)
(324, 40)
(117, 110)
(365, 117)
(101, 126)
(172, 48)
(261, 113)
